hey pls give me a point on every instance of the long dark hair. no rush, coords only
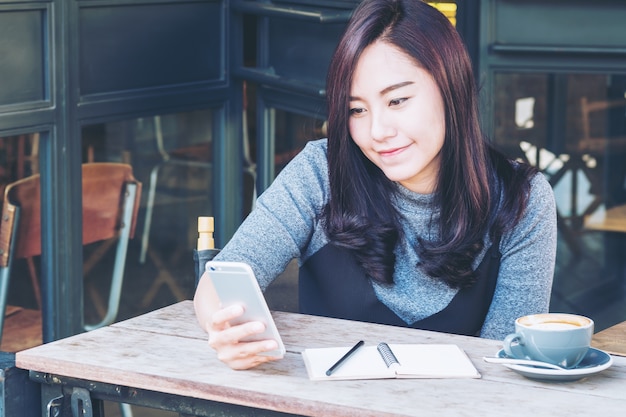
(477, 191)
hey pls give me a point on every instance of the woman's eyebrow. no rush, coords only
(395, 87)
(386, 89)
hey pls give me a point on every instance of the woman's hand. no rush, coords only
(226, 339)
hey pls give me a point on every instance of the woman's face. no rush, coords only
(397, 116)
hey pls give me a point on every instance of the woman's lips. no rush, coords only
(392, 152)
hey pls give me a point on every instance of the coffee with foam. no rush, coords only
(555, 325)
(559, 338)
(554, 321)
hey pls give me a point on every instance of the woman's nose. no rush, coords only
(381, 127)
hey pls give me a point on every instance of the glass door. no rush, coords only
(554, 95)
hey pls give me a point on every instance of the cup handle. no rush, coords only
(513, 345)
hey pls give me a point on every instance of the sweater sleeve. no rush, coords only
(527, 264)
(284, 219)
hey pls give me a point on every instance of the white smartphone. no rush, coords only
(235, 283)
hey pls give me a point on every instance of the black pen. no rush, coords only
(344, 358)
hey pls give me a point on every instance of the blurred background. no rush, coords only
(209, 99)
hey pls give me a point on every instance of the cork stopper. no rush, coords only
(205, 233)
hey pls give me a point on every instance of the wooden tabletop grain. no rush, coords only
(612, 340)
(166, 351)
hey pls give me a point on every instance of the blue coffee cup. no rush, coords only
(558, 338)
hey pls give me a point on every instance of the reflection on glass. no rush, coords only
(524, 113)
(19, 197)
(171, 155)
(19, 157)
(573, 128)
(293, 131)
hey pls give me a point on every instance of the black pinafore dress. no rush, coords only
(332, 284)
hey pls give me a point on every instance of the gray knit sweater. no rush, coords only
(284, 225)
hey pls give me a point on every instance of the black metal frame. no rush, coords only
(73, 94)
(62, 394)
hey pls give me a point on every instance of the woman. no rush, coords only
(405, 215)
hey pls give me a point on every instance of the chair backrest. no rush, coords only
(111, 196)
(591, 142)
(104, 185)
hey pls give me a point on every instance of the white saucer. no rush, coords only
(594, 361)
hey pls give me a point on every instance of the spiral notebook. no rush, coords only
(391, 361)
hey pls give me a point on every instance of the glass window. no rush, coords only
(171, 156)
(293, 131)
(573, 128)
(19, 158)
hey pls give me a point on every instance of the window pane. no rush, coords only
(293, 131)
(171, 156)
(573, 127)
(19, 158)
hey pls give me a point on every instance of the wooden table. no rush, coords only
(162, 360)
(612, 340)
(613, 220)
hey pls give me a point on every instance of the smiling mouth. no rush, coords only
(392, 152)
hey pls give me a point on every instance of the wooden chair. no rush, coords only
(22, 159)
(111, 198)
(592, 114)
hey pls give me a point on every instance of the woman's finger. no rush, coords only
(247, 355)
(233, 335)
(221, 318)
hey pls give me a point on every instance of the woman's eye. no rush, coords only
(397, 101)
(356, 111)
